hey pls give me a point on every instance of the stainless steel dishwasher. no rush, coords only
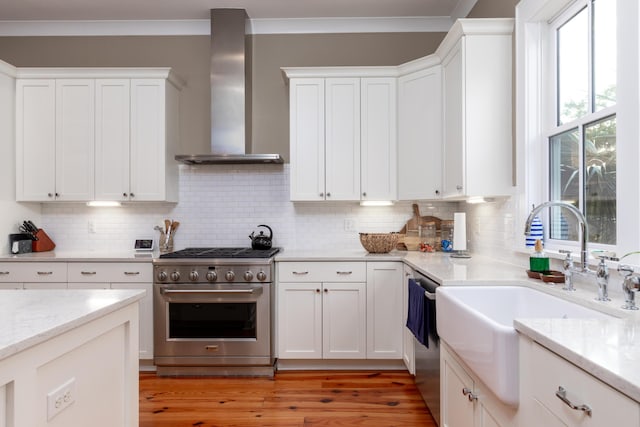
(427, 360)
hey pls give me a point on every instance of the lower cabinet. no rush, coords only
(322, 320)
(548, 379)
(339, 310)
(408, 346)
(465, 402)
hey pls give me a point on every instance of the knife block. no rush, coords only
(44, 242)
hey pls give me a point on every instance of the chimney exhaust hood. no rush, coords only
(230, 75)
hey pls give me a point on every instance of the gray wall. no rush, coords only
(189, 57)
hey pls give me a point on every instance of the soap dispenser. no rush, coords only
(539, 261)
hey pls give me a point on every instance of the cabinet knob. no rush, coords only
(437, 192)
(132, 195)
(317, 291)
(467, 392)
(50, 194)
(328, 194)
(124, 194)
(459, 187)
(326, 291)
(364, 194)
(321, 194)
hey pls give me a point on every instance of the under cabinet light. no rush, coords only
(376, 203)
(103, 203)
(479, 199)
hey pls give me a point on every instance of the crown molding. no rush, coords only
(203, 26)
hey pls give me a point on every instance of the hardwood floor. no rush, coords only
(305, 399)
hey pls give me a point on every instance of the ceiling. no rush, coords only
(85, 10)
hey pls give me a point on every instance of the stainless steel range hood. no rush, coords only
(230, 74)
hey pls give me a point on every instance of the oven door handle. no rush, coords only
(211, 291)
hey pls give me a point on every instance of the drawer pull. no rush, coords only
(344, 273)
(45, 273)
(131, 273)
(562, 395)
(467, 392)
(88, 273)
(300, 273)
(4, 273)
(211, 347)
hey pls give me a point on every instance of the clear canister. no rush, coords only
(446, 230)
(428, 233)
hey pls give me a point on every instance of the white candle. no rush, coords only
(459, 231)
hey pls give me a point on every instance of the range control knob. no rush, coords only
(262, 276)
(162, 276)
(193, 276)
(175, 276)
(212, 276)
(248, 276)
(230, 276)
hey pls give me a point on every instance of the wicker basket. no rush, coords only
(379, 243)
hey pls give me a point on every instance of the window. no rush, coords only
(591, 159)
(581, 137)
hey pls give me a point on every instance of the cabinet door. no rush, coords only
(299, 321)
(148, 137)
(408, 349)
(378, 144)
(384, 310)
(420, 134)
(75, 139)
(456, 409)
(146, 316)
(112, 139)
(454, 132)
(344, 320)
(342, 139)
(35, 140)
(307, 134)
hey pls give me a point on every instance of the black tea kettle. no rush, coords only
(261, 241)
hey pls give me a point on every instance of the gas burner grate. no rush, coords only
(221, 253)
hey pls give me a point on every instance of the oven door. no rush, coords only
(203, 324)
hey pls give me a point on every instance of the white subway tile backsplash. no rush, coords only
(220, 206)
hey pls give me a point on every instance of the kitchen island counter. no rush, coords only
(69, 357)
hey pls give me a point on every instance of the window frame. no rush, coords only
(535, 109)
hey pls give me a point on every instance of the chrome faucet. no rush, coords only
(630, 285)
(601, 273)
(582, 221)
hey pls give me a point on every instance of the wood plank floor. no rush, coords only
(304, 399)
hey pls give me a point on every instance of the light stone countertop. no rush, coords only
(610, 351)
(30, 317)
(81, 256)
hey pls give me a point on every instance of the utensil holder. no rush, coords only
(44, 242)
(165, 245)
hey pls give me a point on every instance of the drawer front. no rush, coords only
(108, 272)
(47, 272)
(322, 271)
(609, 407)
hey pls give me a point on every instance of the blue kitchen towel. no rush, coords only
(416, 313)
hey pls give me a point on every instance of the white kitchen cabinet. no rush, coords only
(420, 130)
(35, 139)
(543, 372)
(120, 275)
(75, 135)
(408, 343)
(465, 400)
(477, 97)
(384, 310)
(378, 145)
(321, 310)
(113, 137)
(342, 135)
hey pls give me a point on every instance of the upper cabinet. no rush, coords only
(91, 134)
(476, 80)
(342, 135)
(420, 130)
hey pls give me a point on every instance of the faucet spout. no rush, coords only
(582, 221)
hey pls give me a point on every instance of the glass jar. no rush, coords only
(428, 233)
(446, 230)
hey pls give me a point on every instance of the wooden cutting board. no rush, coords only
(410, 240)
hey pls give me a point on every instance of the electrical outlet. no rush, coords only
(61, 398)
(92, 227)
(349, 225)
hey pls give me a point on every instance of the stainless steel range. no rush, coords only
(213, 312)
